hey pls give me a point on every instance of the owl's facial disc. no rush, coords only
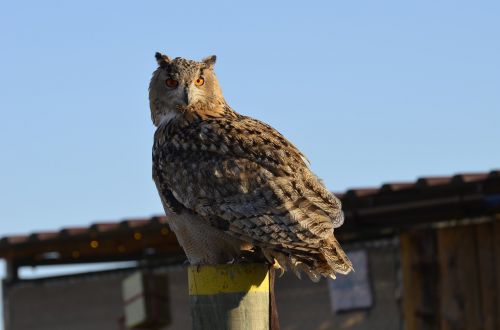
(179, 86)
(186, 92)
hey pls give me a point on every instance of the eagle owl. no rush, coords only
(233, 186)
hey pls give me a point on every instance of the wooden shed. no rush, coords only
(432, 249)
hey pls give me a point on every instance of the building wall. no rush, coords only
(303, 304)
(80, 303)
(94, 301)
(452, 277)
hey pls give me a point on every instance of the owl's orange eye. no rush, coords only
(171, 83)
(200, 81)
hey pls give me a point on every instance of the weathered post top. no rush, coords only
(235, 297)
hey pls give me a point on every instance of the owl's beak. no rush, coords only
(185, 95)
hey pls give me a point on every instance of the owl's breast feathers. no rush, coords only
(246, 179)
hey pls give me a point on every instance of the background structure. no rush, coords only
(371, 92)
(426, 254)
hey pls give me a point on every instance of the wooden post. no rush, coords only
(11, 270)
(460, 291)
(451, 277)
(420, 267)
(233, 297)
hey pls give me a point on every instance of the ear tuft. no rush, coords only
(210, 61)
(162, 59)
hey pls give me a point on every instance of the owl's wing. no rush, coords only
(248, 180)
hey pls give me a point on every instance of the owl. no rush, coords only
(234, 188)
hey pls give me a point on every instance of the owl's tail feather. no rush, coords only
(335, 257)
(330, 260)
(282, 262)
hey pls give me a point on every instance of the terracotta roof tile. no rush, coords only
(135, 223)
(469, 177)
(355, 199)
(43, 236)
(495, 174)
(73, 231)
(395, 186)
(15, 239)
(361, 192)
(105, 226)
(433, 181)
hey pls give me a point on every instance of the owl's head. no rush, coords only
(180, 86)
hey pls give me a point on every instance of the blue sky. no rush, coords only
(370, 91)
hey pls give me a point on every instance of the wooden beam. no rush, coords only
(420, 280)
(233, 297)
(460, 288)
(88, 247)
(496, 240)
(11, 270)
(485, 241)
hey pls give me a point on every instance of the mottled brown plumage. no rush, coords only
(232, 183)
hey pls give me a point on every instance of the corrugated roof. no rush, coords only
(367, 210)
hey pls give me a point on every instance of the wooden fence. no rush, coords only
(451, 277)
